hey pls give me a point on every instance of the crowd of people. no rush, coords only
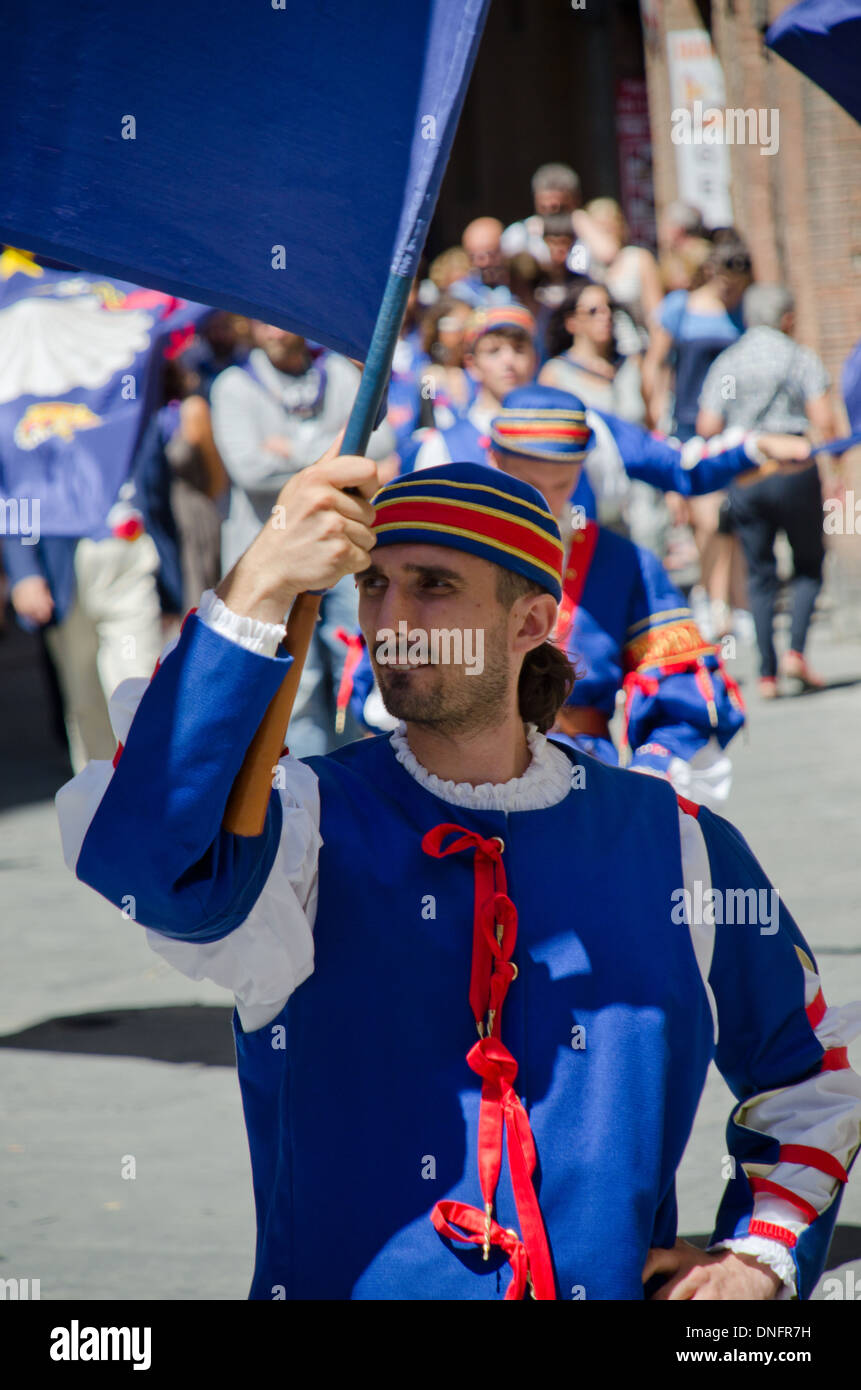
(566, 413)
(684, 345)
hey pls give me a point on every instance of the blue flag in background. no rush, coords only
(277, 162)
(822, 38)
(79, 373)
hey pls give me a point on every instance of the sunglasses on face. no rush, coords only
(594, 309)
(739, 265)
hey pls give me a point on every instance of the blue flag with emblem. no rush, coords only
(79, 359)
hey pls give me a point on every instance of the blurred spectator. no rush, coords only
(499, 355)
(404, 404)
(769, 382)
(551, 281)
(488, 280)
(690, 329)
(588, 363)
(679, 224)
(84, 575)
(98, 607)
(631, 274)
(222, 341)
(449, 267)
(185, 490)
(585, 358)
(526, 277)
(271, 417)
(683, 269)
(444, 341)
(558, 235)
(274, 415)
(555, 190)
(766, 380)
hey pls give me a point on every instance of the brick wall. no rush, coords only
(799, 209)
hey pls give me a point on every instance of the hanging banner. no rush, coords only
(634, 142)
(698, 99)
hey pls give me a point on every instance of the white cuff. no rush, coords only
(249, 633)
(767, 1252)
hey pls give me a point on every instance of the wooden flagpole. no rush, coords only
(249, 797)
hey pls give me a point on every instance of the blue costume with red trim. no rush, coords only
(386, 917)
(626, 627)
(361, 1109)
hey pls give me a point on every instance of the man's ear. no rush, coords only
(535, 619)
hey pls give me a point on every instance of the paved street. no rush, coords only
(111, 1059)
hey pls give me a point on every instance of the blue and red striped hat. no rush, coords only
(471, 507)
(542, 423)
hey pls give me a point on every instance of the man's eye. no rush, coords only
(372, 584)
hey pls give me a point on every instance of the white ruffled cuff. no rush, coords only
(767, 1252)
(250, 633)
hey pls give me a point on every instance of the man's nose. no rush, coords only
(396, 607)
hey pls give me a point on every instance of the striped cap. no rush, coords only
(542, 423)
(468, 506)
(494, 319)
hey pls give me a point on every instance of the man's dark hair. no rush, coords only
(546, 676)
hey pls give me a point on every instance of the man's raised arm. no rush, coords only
(146, 831)
(698, 466)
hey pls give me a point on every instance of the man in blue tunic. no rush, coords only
(622, 622)
(463, 946)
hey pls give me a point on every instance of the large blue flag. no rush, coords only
(822, 38)
(274, 158)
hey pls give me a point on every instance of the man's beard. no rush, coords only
(467, 705)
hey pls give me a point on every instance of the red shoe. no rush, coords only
(794, 666)
(768, 687)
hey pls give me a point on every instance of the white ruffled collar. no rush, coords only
(546, 781)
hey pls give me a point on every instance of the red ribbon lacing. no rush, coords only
(705, 686)
(354, 643)
(501, 1112)
(634, 681)
(649, 685)
(732, 686)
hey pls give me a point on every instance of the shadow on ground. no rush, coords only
(180, 1033)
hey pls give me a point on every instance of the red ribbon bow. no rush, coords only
(501, 1113)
